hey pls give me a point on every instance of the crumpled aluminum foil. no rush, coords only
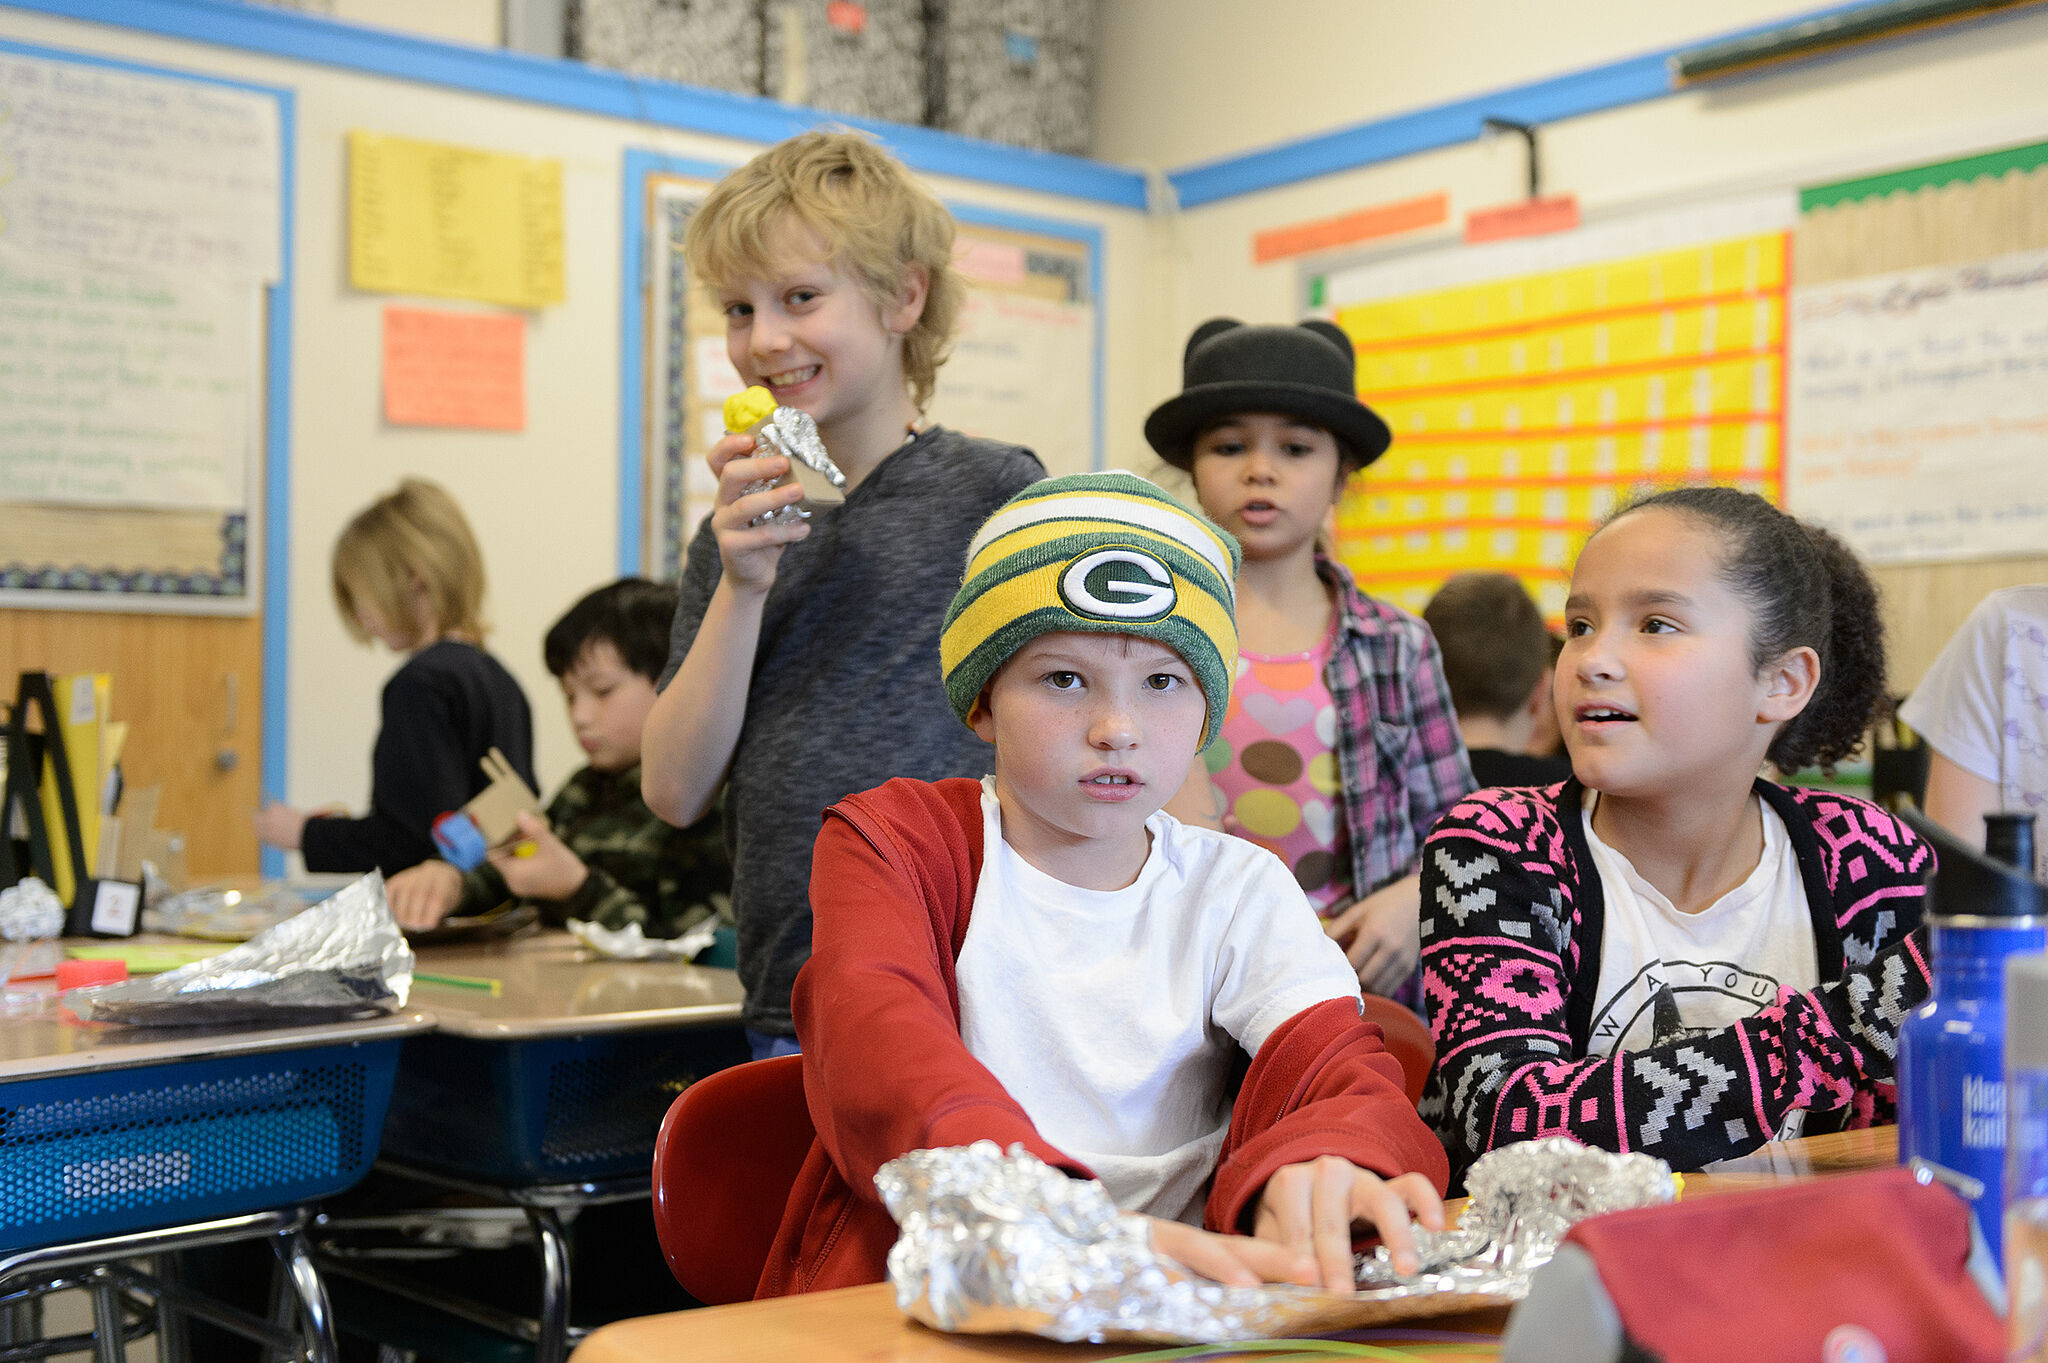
(994, 1242)
(792, 432)
(343, 957)
(1524, 1198)
(30, 909)
(631, 943)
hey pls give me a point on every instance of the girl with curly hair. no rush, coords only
(1668, 953)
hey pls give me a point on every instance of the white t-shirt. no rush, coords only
(1984, 703)
(1665, 975)
(1114, 1016)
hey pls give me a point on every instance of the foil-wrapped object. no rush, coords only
(30, 909)
(789, 431)
(994, 1242)
(1523, 1198)
(343, 957)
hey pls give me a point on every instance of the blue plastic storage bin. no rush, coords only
(547, 1109)
(104, 1152)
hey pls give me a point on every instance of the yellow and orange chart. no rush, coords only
(1526, 409)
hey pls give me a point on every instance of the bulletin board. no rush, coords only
(1920, 359)
(1025, 367)
(1532, 386)
(143, 279)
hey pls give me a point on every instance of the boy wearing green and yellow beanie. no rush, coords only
(1046, 957)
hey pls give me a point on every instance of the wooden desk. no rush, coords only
(863, 1323)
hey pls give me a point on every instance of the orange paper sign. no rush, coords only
(459, 369)
(1529, 218)
(1381, 220)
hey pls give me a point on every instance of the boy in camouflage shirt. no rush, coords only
(602, 855)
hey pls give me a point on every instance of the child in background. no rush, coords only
(601, 855)
(1667, 953)
(1497, 659)
(1340, 749)
(408, 573)
(1045, 957)
(1980, 709)
(801, 663)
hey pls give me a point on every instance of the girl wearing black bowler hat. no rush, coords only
(1340, 747)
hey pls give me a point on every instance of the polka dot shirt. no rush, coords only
(1276, 765)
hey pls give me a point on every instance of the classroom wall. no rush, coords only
(545, 501)
(1953, 92)
(1185, 81)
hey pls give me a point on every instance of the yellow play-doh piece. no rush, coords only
(744, 411)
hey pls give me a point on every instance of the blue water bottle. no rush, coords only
(1982, 909)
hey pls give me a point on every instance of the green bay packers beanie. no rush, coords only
(1103, 553)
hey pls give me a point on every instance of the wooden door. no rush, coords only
(190, 688)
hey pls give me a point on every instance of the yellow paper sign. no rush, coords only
(1525, 410)
(454, 222)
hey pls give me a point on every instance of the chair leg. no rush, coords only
(172, 1343)
(108, 1345)
(302, 1299)
(553, 1243)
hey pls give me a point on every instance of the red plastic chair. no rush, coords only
(1408, 1040)
(729, 1150)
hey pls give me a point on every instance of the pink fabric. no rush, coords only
(1276, 765)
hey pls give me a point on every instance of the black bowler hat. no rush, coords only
(1307, 372)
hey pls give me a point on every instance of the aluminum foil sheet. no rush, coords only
(343, 957)
(793, 433)
(631, 943)
(993, 1242)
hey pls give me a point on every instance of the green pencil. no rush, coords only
(492, 987)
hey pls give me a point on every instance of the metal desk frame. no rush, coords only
(542, 999)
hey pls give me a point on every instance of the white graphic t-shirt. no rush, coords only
(1666, 975)
(1984, 703)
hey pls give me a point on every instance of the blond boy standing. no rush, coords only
(803, 653)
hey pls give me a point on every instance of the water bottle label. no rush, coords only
(1983, 1113)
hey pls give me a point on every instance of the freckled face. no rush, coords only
(1094, 733)
(811, 335)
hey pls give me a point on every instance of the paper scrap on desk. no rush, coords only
(454, 222)
(454, 369)
(147, 958)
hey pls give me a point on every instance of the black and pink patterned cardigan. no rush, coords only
(1512, 920)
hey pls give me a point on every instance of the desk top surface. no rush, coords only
(54, 1043)
(550, 986)
(863, 1322)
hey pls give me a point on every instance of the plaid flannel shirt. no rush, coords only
(1398, 749)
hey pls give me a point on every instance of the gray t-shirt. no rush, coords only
(846, 691)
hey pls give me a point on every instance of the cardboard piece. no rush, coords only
(496, 809)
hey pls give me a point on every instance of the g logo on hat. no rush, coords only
(1118, 584)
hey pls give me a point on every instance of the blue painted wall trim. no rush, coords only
(587, 89)
(1632, 80)
(633, 288)
(274, 732)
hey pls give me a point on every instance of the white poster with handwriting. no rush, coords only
(1023, 371)
(125, 387)
(127, 169)
(1919, 410)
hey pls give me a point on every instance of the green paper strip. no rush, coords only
(1992, 164)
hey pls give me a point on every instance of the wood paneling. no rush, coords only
(172, 678)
